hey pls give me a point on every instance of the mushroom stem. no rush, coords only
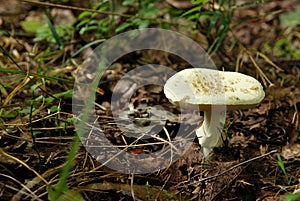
(209, 132)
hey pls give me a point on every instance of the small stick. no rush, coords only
(96, 11)
(25, 165)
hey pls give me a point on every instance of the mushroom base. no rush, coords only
(209, 133)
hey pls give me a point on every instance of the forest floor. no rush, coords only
(259, 159)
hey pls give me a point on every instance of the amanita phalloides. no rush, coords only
(212, 90)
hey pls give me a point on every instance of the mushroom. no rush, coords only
(213, 92)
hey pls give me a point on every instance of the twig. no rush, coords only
(25, 165)
(237, 165)
(96, 11)
(260, 72)
(24, 187)
(48, 174)
(75, 8)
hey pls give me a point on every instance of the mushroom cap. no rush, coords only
(207, 88)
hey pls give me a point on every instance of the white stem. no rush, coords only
(209, 132)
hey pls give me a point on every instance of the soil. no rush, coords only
(245, 167)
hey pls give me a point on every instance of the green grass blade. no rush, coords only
(54, 33)
(87, 46)
(20, 72)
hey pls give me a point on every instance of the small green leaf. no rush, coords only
(87, 29)
(49, 99)
(144, 24)
(31, 26)
(54, 108)
(82, 23)
(36, 132)
(26, 111)
(281, 164)
(128, 2)
(39, 98)
(87, 46)
(35, 86)
(290, 19)
(195, 10)
(292, 196)
(194, 2)
(123, 27)
(84, 14)
(66, 94)
(150, 11)
(70, 120)
(10, 114)
(66, 195)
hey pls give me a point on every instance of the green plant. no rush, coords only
(284, 48)
(213, 18)
(64, 33)
(293, 196)
(148, 186)
(90, 22)
(282, 167)
(30, 82)
(225, 137)
(61, 191)
(48, 32)
(146, 10)
(142, 14)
